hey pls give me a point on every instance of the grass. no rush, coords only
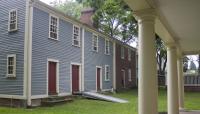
(84, 106)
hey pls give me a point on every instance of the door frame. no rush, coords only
(57, 75)
(124, 77)
(80, 75)
(101, 86)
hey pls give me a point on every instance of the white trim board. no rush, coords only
(28, 51)
(83, 60)
(12, 96)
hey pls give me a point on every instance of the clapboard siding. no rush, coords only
(93, 59)
(12, 43)
(44, 48)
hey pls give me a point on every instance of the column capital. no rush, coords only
(171, 46)
(145, 15)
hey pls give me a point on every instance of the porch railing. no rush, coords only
(191, 80)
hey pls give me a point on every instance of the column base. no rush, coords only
(181, 109)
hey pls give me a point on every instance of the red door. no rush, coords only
(75, 78)
(52, 78)
(98, 79)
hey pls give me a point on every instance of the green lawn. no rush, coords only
(83, 106)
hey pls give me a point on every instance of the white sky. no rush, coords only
(48, 1)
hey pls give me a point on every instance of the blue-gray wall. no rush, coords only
(43, 48)
(93, 59)
(12, 43)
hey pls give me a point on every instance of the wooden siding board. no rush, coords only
(44, 48)
(12, 43)
(93, 59)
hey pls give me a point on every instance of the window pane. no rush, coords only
(13, 20)
(10, 69)
(54, 27)
(76, 36)
(10, 60)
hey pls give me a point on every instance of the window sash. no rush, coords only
(107, 47)
(12, 21)
(122, 52)
(129, 75)
(95, 43)
(76, 36)
(129, 54)
(107, 72)
(11, 66)
(53, 27)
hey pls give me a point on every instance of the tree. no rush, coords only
(185, 63)
(70, 8)
(114, 18)
(161, 54)
(192, 65)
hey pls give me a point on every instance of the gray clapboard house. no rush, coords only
(43, 52)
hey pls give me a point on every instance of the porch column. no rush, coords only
(172, 89)
(147, 75)
(180, 83)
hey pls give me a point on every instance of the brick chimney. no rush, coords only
(86, 16)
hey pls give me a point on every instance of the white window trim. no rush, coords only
(122, 57)
(16, 20)
(106, 40)
(105, 73)
(93, 42)
(14, 68)
(51, 15)
(79, 39)
(129, 75)
(129, 54)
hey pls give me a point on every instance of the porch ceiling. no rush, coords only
(178, 21)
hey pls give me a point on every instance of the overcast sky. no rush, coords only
(48, 1)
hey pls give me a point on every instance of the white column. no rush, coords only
(172, 89)
(180, 83)
(147, 75)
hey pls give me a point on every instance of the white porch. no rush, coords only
(177, 23)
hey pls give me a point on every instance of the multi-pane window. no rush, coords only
(11, 65)
(53, 28)
(129, 75)
(107, 72)
(122, 52)
(76, 36)
(107, 47)
(95, 42)
(12, 23)
(129, 54)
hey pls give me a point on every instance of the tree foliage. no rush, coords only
(114, 18)
(70, 8)
(185, 63)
